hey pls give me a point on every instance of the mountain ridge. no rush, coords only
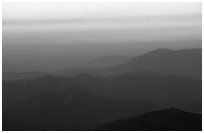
(172, 119)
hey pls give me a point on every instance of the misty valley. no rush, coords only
(159, 90)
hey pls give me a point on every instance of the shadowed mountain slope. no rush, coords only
(69, 109)
(147, 86)
(164, 120)
(186, 62)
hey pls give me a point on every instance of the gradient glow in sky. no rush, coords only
(55, 35)
(35, 17)
(21, 11)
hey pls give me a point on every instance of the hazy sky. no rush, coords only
(31, 29)
(96, 19)
(23, 11)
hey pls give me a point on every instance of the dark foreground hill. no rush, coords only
(84, 102)
(164, 120)
(68, 109)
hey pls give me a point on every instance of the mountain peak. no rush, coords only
(184, 62)
(159, 51)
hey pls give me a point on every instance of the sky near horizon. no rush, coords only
(47, 31)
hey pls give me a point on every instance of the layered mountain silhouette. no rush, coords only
(163, 120)
(69, 109)
(163, 89)
(185, 62)
(107, 61)
(83, 98)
